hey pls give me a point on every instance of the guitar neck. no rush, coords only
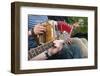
(38, 50)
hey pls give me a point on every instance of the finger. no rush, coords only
(58, 45)
(69, 40)
(42, 30)
(69, 43)
(41, 27)
(58, 41)
(58, 48)
(38, 25)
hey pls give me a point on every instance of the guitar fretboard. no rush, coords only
(36, 51)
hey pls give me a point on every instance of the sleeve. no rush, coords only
(32, 21)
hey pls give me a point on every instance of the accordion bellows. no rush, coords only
(50, 33)
(63, 26)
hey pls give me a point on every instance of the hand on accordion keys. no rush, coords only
(38, 29)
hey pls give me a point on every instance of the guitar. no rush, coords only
(64, 34)
(38, 50)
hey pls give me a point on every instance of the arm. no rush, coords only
(43, 56)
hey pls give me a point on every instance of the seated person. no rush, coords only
(59, 51)
(63, 26)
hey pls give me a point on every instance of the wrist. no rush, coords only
(47, 54)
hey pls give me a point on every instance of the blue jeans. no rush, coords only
(68, 52)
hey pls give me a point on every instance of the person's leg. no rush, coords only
(68, 52)
(83, 47)
(75, 51)
(84, 41)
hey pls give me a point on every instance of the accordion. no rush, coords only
(50, 33)
(54, 29)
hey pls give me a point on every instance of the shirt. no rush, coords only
(32, 21)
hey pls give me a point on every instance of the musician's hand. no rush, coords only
(58, 45)
(38, 29)
(69, 41)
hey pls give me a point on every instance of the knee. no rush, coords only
(83, 39)
(76, 40)
(74, 46)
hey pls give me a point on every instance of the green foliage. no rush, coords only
(83, 23)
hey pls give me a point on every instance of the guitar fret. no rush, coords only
(51, 44)
(40, 49)
(46, 47)
(33, 52)
(36, 51)
(43, 48)
(31, 55)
